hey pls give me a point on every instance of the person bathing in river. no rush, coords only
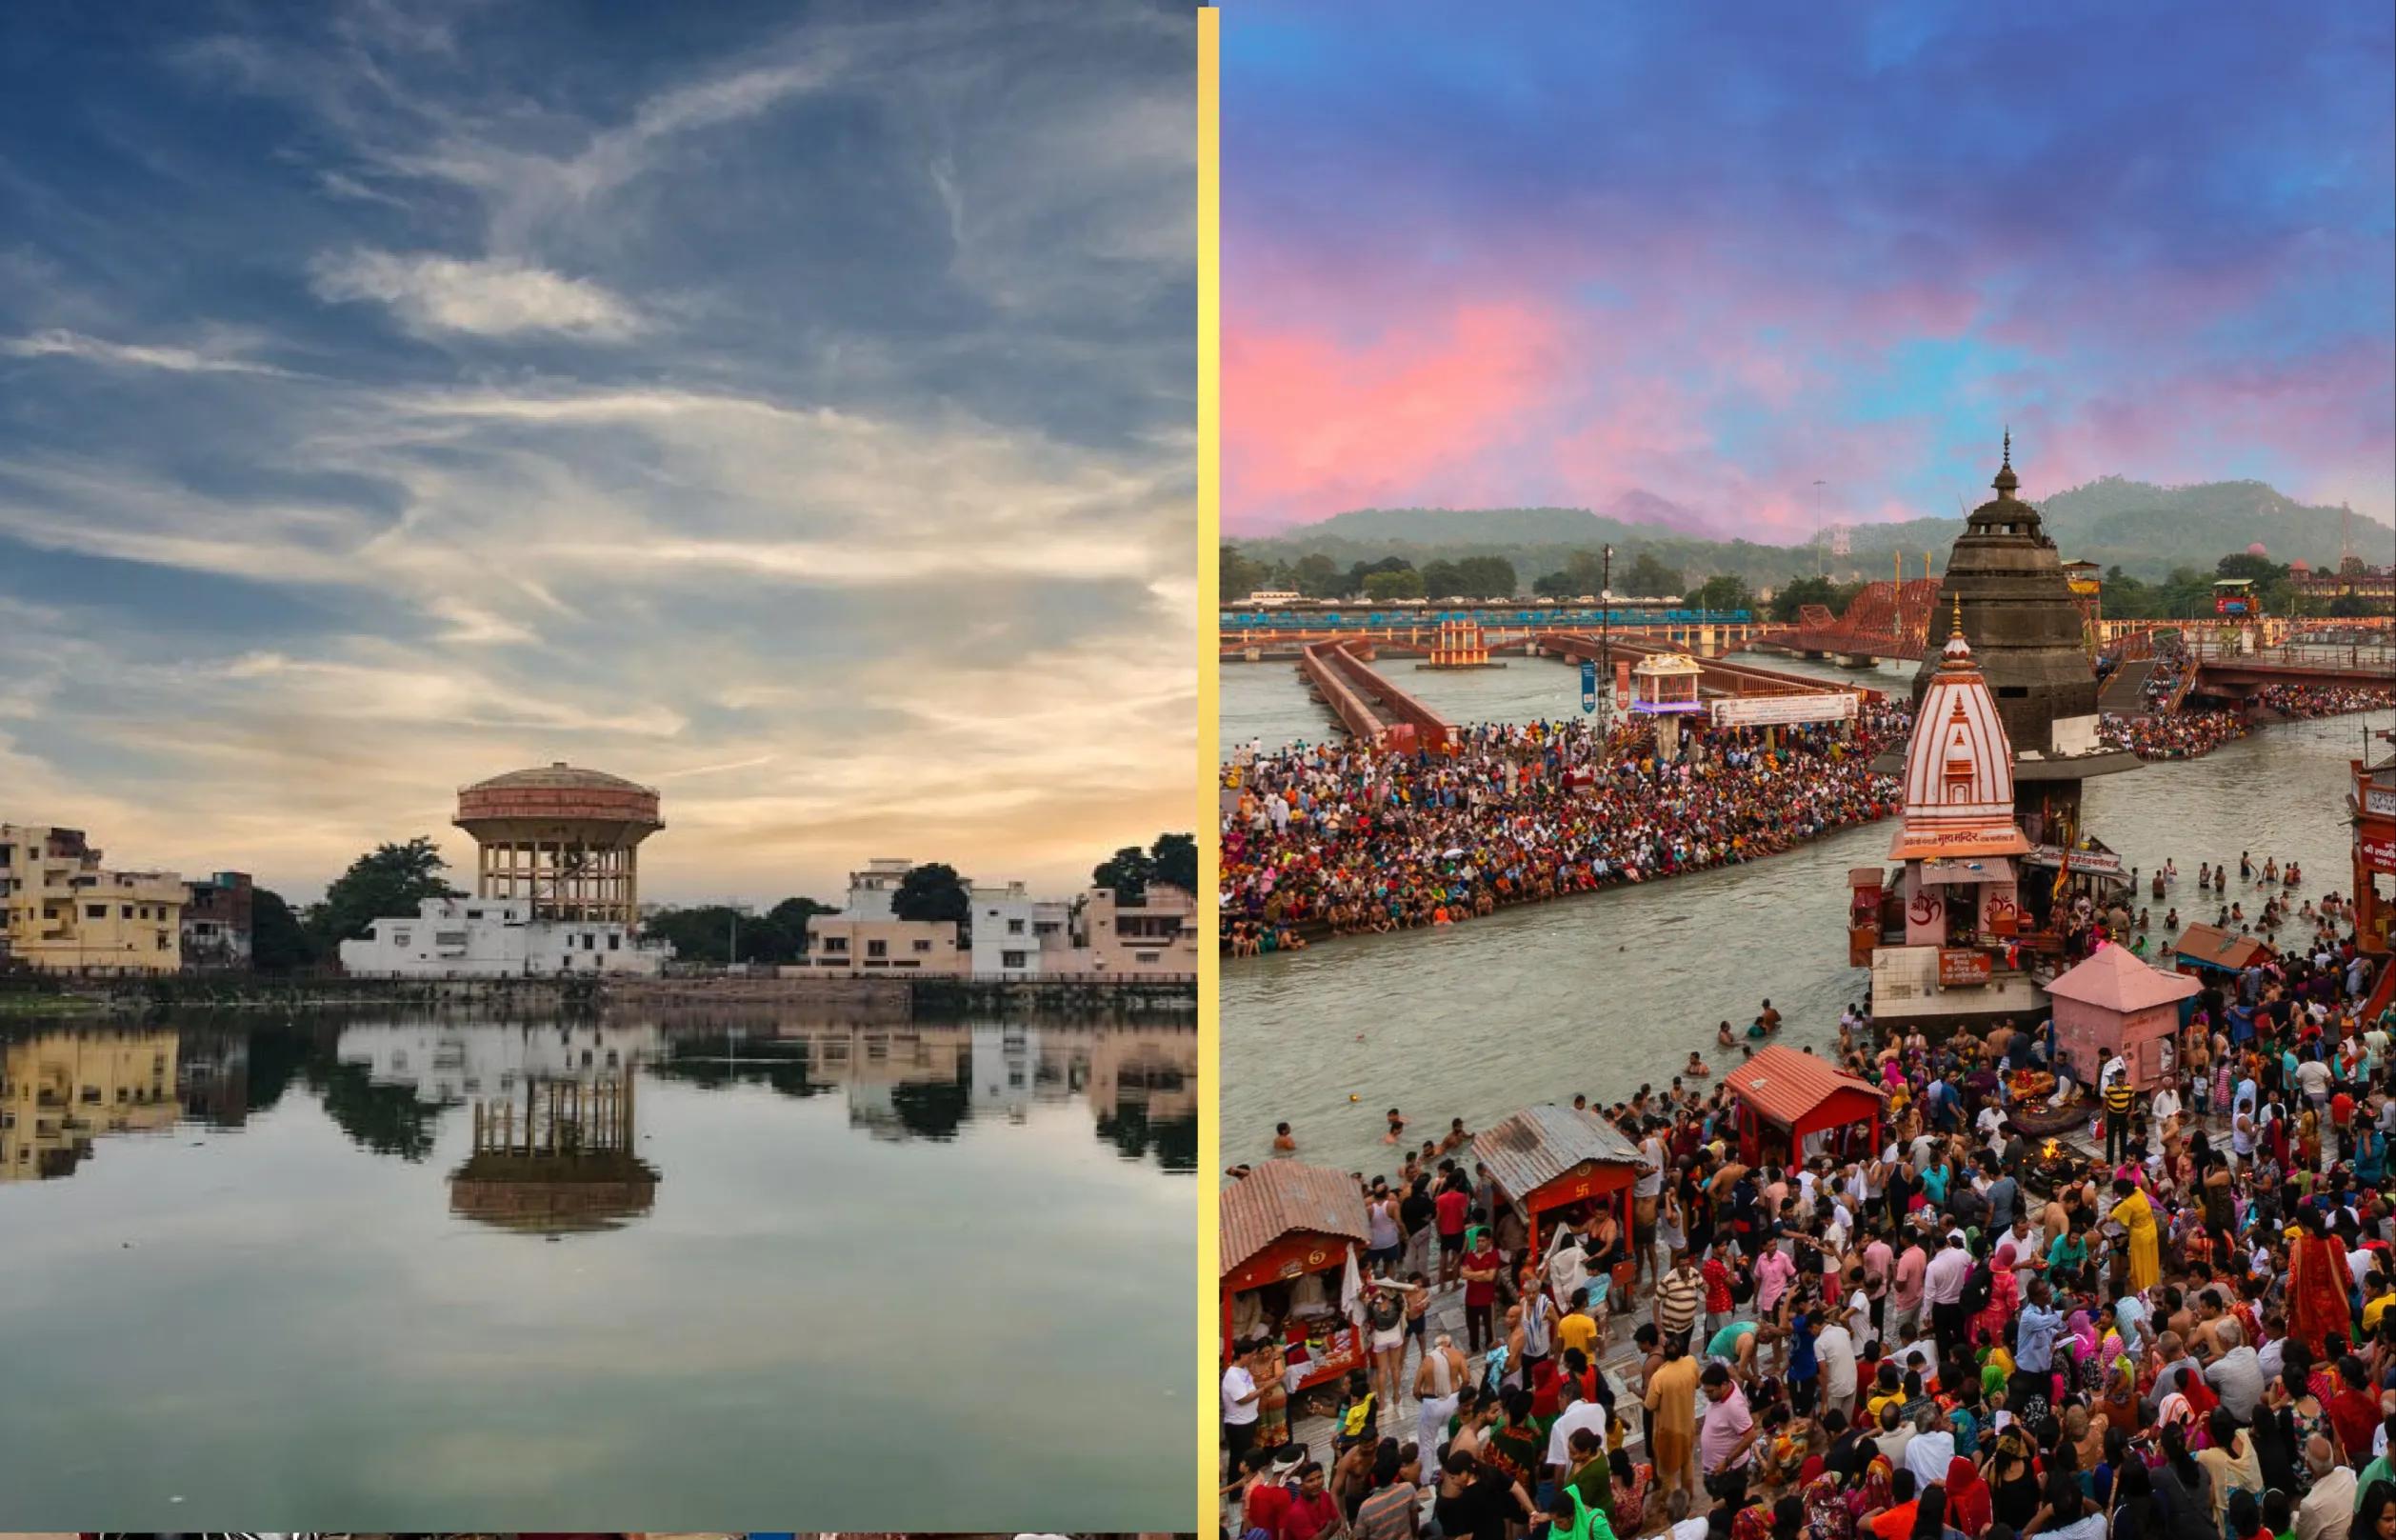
(1697, 1069)
(1722, 1035)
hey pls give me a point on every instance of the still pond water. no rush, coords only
(439, 1273)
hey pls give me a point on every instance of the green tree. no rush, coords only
(1442, 579)
(278, 943)
(790, 918)
(1800, 591)
(388, 882)
(1175, 858)
(1319, 577)
(1725, 590)
(1554, 586)
(2243, 563)
(705, 933)
(1487, 577)
(1651, 579)
(1240, 575)
(933, 891)
(1127, 872)
(1406, 583)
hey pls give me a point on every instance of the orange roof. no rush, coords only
(2116, 980)
(1281, 1197)
(1784, 1085)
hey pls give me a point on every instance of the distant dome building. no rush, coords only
(557, 885)
(566, 839)
(2025, 631)
(2256, 550)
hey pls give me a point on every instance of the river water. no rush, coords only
(1267, 702)
(1599, 994)
(922, 1278)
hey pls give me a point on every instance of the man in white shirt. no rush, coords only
(1943, 1289)
(1834, 1352)
(2328, 1510)
(1239, 1403)
(1932, 1449)
(1589, 1414)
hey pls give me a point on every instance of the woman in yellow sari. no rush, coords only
(2134, 1214)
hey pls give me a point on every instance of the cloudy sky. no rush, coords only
(1556, 253)
(790, 406)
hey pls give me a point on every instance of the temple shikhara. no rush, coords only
(1941, 933)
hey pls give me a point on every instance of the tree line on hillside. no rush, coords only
(1316, 576)
(392, 880)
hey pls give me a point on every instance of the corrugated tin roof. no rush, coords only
(2223, 949)
(1539, 1143)
(2115, 979)
(1281, 1197)
(1784, 1085)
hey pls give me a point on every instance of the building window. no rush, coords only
(399, 938)
(1144, 957)
(923, 946)
(95, 912)
(125, 911)
(1014, 927)
(877, 949)
(1011, 959)
(615, 943)
(835, 943)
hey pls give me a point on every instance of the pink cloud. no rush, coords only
(1311, 424)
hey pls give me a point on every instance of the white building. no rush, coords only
(1005, 932)
(492, 937)
(871, 890)
(443, 1065)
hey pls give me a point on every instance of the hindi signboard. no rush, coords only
(1961, 966)
(1589, 685)
(2380, 801)
(1777, 710)
(2378, 853)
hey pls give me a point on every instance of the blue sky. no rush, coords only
(786, 405)
(1561, 253)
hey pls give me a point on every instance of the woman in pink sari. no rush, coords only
(2005, 1297)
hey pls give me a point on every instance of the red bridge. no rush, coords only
(1371, 707)
(1887, 620)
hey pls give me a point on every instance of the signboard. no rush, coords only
(2232, 604)
(2086, 587)
(2380, 801)
(2096, 863)
(1589, 685)
(1961, 966)
(1773, 711)
(2379, 854)
(1666, 708)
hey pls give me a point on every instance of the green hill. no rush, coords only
(2144, 528)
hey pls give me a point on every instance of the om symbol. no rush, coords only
(1927, 907)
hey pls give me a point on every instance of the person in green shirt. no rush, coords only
(2068, 1254)
(1569, 1517)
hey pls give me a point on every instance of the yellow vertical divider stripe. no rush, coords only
(1209, 872)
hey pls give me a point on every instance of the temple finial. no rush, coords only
(2008, 445)
(1959, 614)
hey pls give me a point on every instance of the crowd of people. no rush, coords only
(1348, 838)
(2191, 734)
(2324, 700)
(1967, 1331)
(2181, 734)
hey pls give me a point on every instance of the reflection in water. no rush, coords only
(560, 1160)
(661, 1262)
(552, 1103)
(61, 1090)
(928, 1082)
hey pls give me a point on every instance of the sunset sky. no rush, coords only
(1561, 253)
(786, 406)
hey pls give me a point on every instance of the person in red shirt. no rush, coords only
(1451, 1207)
(1480, 1268)
(1312, 1511)
(1718, 1301)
